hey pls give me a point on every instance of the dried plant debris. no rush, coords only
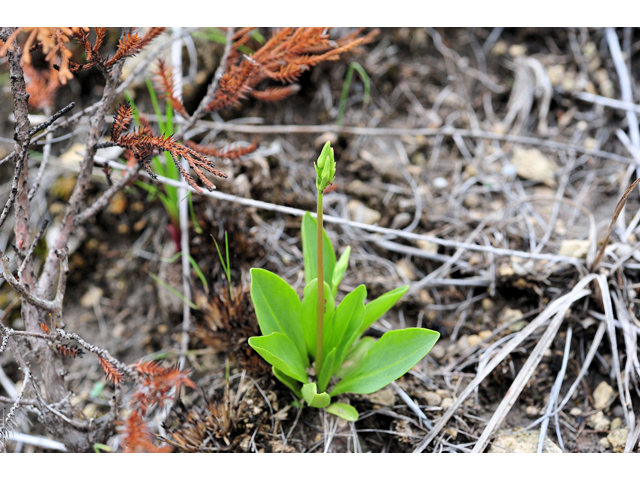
(226, 324)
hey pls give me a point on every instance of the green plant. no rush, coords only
(167, 194)
(226, 266)
(347, 84)
(297, 333)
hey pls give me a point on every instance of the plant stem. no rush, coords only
(321, 306)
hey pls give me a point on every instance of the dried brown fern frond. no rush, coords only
(283, 58)
(113, 374)
(69, 350)
(164, 78)
(136, 437)
(41, 86)
(150, 35)
(275, 94)
(157, 385)
(223, 152)
(53, 41)
(142, 143)
(121, 120)
(128, 46)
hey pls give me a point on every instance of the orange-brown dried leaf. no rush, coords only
(275, 94)
(164, 77)
(224, 152)
(113, 374)
(128, 46)
(121, 120)
(137, 438)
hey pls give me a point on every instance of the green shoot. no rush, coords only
(347, 84)
(226, 266)
(173, 290)
(195, 266)
(101, 446)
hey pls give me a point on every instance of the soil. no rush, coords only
(420, 78)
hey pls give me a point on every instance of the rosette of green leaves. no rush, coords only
(352, 363)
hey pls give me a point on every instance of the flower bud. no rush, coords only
(325, 168)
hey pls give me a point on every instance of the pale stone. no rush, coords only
(532, 164)
(432, 398)
(522, 442)
(618, 439)
(359, 212)
(446, 403)
(598, 421)
(602, 395)
(574, 248)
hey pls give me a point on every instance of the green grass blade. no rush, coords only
(174, 291)
(347, 84)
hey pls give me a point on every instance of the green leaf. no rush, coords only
(309, 315)
(292, 383)
(329, 364)
(313, 398)
(277, 308)
(346, 323)
(173, 290)
(355, 356)
(381, 305)
(309, 230)
(280, 351)
(391, 357)
(339, 271)
(343, 410)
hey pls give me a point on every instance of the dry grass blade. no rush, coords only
(553, 308)
(525, 373)
(555, 391)
(619, 206)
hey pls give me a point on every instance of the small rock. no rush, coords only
(532, 411)
(474, 340)
(509, 315)
(405, 268)
(437, 352)
(440, 183)
(401, 220)
(359, 189)
(517, 50)
(92, 297)
(432, 399)
(617, 411)
(444, 393)
(461, 345)
(359, 212)
(384, 397)
(500, 48)
(574, 248)
(598, 421)
(602, 395)
(484, 334)
(427, 246)
(446, 403)
(452, 432)
(575, 412)
(618, 439)
(604, 443)
(616, 423)
(472, 201)
(522, 442)
(487, 304)
(532, 164)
